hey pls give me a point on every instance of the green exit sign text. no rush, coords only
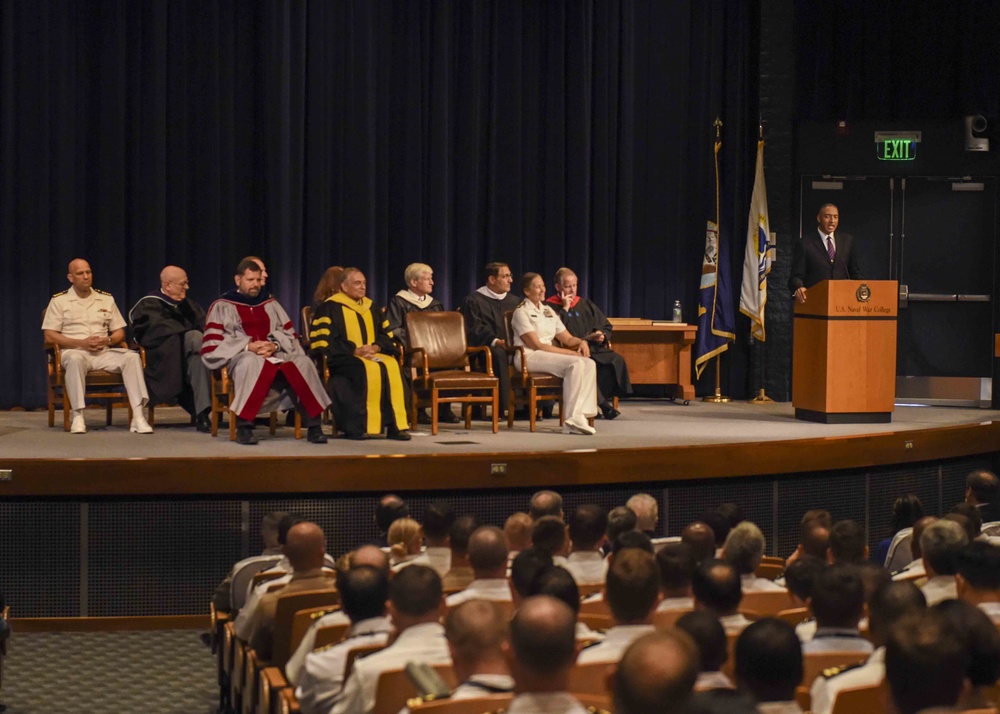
(896, 146)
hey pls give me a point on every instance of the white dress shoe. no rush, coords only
(578, 426)
(78, 425)
(139, 424)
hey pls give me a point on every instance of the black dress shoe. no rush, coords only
(315, 435)
(423, 417)
(203, 423)
(397, 435)
(244, 435)
(447, 416)
(356, 437)
(609, 412)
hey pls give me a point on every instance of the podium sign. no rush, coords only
(844, 352)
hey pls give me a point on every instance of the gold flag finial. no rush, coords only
(718, 127)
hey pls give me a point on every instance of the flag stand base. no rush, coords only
(761, 398)
(717, 398)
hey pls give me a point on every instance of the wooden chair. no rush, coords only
(588, 679)
(266, 576)
(222, 397)
(813, 663)
(766, 603)
(794, 615)
(668, 618)
(859, 699)
(478, 705)
(304, 619)
(439, 359)
(589, 589)
(770, 570)
(595, 607)
(394, 688)
(245, 575)
(534, 387)
(98, 384)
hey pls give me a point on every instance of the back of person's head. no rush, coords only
(416, 591)
(476, 629)
(631, 539)
(545, 503)
(716, 587)
(941, 543)
(980, 637)
(269, 528)
(744, 548)
(719, 525)
(815, 539)
(368, 555)
(925, 663)
(390, 508)
(710, 636)
(769, 660)
(918, 531)
(404, 533)
(557, 582)
(732, 513)
(978, 567)
(801, 576)
(676, 564)
(517, 531)
(437, 520)
(285, 524)
(646, 509)
(722, 701)
(847, 542)
(363, 592)
(973, 523)
(656, 674)
(890, 603)
(872, 576)
(632, 586)
(983, 486)
(700, 538)
(621, 520)
(817, 515)
(838, 599)
(460, 532)
(526, 566)
(488, 552)
(588, 525)
(549, 535)
(906, 510)
(543, 636)
(305, 546)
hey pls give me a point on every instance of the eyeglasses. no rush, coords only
(184, 284)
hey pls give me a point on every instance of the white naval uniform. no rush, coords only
(616, 641)
(579, 375)
(492, 589)
(825, 689)
(293, 668)
(80, 318)
(587, 567)
(546, 702)
(750, 583)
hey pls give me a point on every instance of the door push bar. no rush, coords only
(906, 297)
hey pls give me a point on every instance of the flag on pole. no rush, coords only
(757, 264)
(715, 318)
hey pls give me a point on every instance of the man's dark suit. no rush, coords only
(811, 263)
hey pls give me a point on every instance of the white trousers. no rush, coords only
(76, 364)
(579, 377)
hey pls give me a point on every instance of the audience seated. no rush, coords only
(676, 564)
(925, 663)
(719, 525)
(890, 603)
(487, 553)
(707, 633)
(982, 490)
(588, 527)
(621, 519)
(647, 512)
(223, 599)
(700, 538)
(906, 510)
(801, 577)
(406, 540)
(977, 578)
(716, 588)
(363, 592)
(915, 568)
(632, 539)
(549, 535)
(940, 544)
(847, 544)
(837, 602)
(523, 569)
(814, 540)
(557, 582)
(415, 608)
(390, 508)
(438, 519)
(632, 592)
(517, 532)
(476, 632)
(545, 503)
(769, 664)
(982, 644)
(744, 549)
(722, 701)
(656, 674)
(460, 574)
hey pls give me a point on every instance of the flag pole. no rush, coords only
(717, 397)
(761, 398)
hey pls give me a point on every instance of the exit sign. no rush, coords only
(896, 145)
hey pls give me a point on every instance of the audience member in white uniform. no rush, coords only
(716, 588)
(982, 646)
(657, 673)
(415, 608)
(769, 665)
(719, 525)
(406, 541)
(848, 545)
(366, 555)
(557, 582)
(437, 552)
(545, 503)
(837, 602)
(517, 533)
(700, 538)
(744, 549)
(540, 654)
(223, 598)
(676, 565)
(550, 535)
(535, 326)
(632, 592)
(915, 568)
(363, 592)
(940, 543)
(800, 579)
(389, 508)
(523, 570)
(621, 519)
(982, 490)
(588, 527)
(647, 512)
(488, 558)
(925, 664)
(978, 578)
(460, 575)
(814, 536)
(889, 604)
(706, 631)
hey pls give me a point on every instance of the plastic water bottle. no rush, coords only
(677, 311)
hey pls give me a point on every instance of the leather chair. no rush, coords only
(98, 384)
(534, 387)
(439, 358)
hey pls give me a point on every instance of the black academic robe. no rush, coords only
(582, 319)
(159, 324)
(484, 322)
(399, 307)
(368, 394)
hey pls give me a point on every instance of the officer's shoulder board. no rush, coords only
(102, 292)
(61, 293)
(591, 644)
(831, 672)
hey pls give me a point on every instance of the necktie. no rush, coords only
(829, 248)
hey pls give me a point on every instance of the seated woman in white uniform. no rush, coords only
(535, 324)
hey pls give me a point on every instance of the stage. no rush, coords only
(652, 440)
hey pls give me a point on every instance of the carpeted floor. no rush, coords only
(155, 672)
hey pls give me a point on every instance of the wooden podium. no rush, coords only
(844, 363)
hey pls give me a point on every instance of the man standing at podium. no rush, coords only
(824, 255)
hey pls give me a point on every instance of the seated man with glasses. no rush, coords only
(168, 324)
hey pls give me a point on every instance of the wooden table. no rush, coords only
(658, 354)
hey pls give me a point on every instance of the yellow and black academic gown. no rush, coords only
(367, 394)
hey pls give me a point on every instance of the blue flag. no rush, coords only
(716, 327)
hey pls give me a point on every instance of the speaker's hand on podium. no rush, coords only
(800, 295)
